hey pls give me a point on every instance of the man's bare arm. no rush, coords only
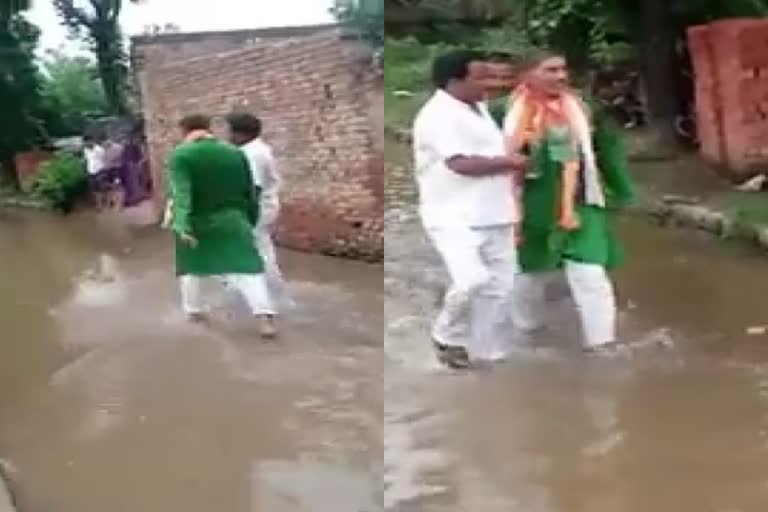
(486, 166)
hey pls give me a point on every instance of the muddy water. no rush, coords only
(109, 401)
(681, 427)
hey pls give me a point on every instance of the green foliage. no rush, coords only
(99, 25)
(406, 63)
(463, 9)
(407, 60)
(10, 8)
(364, 16)
(509, 39)
(72, 90)
(20, 100)
(62, 181)
(604, 32)
(588, 31)
(407, 66)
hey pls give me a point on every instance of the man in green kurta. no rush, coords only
(214, 210)
(578, 177)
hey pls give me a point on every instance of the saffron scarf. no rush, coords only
(530, 115)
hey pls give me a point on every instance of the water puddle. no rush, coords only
(111, 401)
(675, 422)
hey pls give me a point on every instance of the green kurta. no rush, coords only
(214, 200)
(545, 245)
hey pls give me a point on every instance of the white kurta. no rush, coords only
(266, 176)
(469, 221)
(94, 159)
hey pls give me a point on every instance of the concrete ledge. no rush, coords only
(24, 202)
(687, 213)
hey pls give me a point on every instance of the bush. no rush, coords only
(62, 181)
(364, 16)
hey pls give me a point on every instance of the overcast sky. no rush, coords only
(191, 16)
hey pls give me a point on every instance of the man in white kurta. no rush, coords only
(465, 181)
(95, 165)
(245, 131)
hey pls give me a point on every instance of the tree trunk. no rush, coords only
(111, 74)
(659, 65)
(112, 84)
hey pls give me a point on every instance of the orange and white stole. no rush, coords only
(530, 115)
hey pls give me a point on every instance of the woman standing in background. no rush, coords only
(134, 175)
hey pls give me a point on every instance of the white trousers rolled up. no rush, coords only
(276, 288)
(592, 292)
(251, 287)
(482, 263)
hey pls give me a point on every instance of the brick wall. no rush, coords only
(322, 108)
(183, 46)
(731, 65)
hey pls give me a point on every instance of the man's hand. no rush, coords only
(188, 240)
(487, 166)
(168, 215)
(518, 162)
(570, 221)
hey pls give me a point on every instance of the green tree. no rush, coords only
(72, 90)
(20, 99)
(99, 24)
(648, 31)
(10, 8)
(365, 16)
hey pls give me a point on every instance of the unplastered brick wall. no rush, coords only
(730, 60)
(322, 107)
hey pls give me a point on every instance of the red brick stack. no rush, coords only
(730, 60)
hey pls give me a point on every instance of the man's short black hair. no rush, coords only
(453, 66)
(195, 122)
(244, 124)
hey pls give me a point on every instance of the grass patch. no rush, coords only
(744, 207)
(396, 152)
(12, 197)
(406, 68)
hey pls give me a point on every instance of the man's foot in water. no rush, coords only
(452, 356)
(604, 348)
(198, 317)
(267, 327)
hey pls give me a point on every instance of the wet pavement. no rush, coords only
(679, 423)
(110, 401)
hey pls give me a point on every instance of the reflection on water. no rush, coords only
(679, 423)
(111, 401)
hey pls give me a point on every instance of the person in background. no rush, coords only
(464, 178)
(214, 210)
(113, 152)
(245, 131)
(578, 176)
(94, 163)
(133, 163)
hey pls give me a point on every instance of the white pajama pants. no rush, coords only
(592, 292)
(252, 287)
(482, 263)
(274, 277)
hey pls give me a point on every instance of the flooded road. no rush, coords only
(110, 401)
(677, 424)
